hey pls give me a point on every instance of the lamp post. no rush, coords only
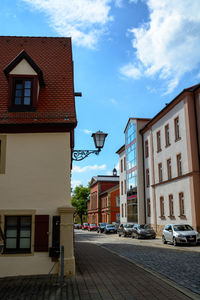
(99, 139)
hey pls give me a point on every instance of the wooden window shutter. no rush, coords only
(41, 233)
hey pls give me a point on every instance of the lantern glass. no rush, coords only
(99, 139)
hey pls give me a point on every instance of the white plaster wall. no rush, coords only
(175, 147)
(37, 178)
(174, 188)
(123, 198)
(23, 68)
(148, 190)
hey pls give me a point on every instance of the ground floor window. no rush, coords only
(18, 234)
(132, 211)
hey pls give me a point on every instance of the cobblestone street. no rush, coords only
(181, 264)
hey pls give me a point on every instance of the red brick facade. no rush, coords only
(102, 205)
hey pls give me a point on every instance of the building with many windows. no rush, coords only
(103, 205)
(134, 170)
(122, 184)
(163, 164)
(172, 162)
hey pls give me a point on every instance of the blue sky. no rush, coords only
(130, 58)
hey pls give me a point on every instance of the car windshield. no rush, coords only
(85, 224)
(92, 225)
(110, 226)
(144, 226)
(129, 225)
(182, 228)
(102, 224)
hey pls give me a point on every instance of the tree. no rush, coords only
(79, 200)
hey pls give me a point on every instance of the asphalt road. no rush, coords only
(180, 265)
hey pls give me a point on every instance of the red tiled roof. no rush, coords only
(54, 57)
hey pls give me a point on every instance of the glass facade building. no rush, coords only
(131, 172)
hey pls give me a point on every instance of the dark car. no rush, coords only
(101, 227)
(109, 228)
(143, 231)
(126, 229)
(92, 227)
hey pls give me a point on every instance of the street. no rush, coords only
(180, 265)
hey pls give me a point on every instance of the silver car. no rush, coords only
(180, 234)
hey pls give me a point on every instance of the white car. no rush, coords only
(180, 234)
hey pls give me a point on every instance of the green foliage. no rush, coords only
(79, 200)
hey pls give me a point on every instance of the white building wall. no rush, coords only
(123, 197)
(173, 187)
(36, 181)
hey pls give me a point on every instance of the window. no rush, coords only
(171, 206)
(125, 186)
(121, 165)
(125, 210)
(181, 204)
(177, 129)
(160, 173)
(122, 211)
(22, 92)
(179, 165)
(148, 208)
(146, 149)
(169, 168)
(162, 207)
(147, 178)
(124, 163)
(167, 140)
(18, 234)
(122, 188)
(158, 141)
(117, 201)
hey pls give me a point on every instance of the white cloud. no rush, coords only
(83, 20)
(168, 45)
(87, 131)
(113, 101)
(75, 183)
(77, 169)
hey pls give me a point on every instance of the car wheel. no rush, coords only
(175, 242)
(164, 240)
(119, 234)
(124, 234)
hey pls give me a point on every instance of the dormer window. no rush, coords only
(22, 92)
(25, 80)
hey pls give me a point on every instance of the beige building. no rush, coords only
(37, 121)
(171, 162)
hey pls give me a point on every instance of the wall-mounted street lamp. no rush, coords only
(99, 139)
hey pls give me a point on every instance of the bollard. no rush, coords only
(62, 264)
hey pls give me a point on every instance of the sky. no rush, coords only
(131, 57)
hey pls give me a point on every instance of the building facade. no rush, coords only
(122, 184)
(37, 121)
(99, 205)
(171, 162)
(134, 170)
(110, 205)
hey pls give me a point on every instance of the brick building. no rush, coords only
(103, 189)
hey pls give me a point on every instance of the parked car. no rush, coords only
(85, 226)
(101, 227)
(180, 234)
(77, 226)
(109, 228)
(126, 229)
(143, 231)
(92, 227)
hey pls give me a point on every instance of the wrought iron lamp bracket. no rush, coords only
(81, 154)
